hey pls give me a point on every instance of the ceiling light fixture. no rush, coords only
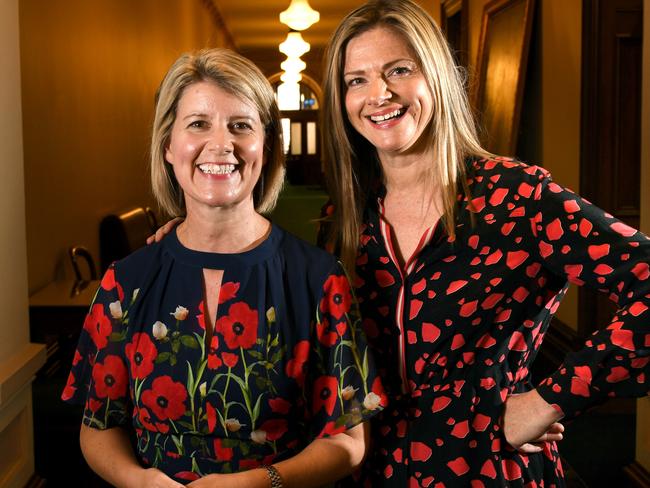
(294, 46)
(299, 16)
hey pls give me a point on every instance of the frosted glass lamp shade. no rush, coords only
(294, 46)
(299, 16)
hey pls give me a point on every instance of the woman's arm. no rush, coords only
(323, 461)
(109, 454)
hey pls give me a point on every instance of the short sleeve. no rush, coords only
(588, 246)
(345, 387)
(99, 376)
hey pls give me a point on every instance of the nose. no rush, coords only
(378, 91)
(219, 141)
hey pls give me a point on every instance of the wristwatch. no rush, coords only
(274, 476)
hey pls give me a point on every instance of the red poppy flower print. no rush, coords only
(280, 405)
(201, 316)
(68, 391)
(325, 335)
(110, 378)
(144, 418)
(211, 416)
(239, 327)
(228, 291)
(337, 299)
(325, 394)
(274, 428)
(222, 453)
(187, 476)
(166, 398)
(141, 353)
(214, 361)
(230, 359)
(332, 429)
(296, 365)
(98, 326)
(109, 282)
(94, 405)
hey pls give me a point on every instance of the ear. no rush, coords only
(169, 155)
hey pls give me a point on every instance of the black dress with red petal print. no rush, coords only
(287, 362)
(456, 331)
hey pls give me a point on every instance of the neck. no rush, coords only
(408, 174)
(222, 230)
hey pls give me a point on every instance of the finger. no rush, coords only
(529, 448)
(556, 427)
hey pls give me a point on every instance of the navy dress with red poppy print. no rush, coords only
(457, 329)
(287, 362)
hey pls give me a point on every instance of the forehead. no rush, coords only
(210, 97)
(380, 43)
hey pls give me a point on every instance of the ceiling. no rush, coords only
(255, 24)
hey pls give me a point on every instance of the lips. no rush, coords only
(395, 114)
(216, 169)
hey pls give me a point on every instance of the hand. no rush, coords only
(154, 478)
(243, 479)
(164, 230)
(528, 420)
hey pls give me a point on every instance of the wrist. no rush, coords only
(549, 412)
(274, 477)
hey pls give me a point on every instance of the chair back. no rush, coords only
(80, 253)
(121, 234)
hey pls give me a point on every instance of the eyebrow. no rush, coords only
(202, 114)
(390, 63)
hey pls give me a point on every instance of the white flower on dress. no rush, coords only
(348, 392)
(372, 401)
(159, 330)
(180, 313)
(203, 389)
(270, 314)
(116, 309)
(258, 436)
(233, 425)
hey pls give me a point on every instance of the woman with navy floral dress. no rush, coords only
(232, 349)
(461, 260)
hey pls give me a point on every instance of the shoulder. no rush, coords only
(134, 268)
(505, 170)
(494, 179)
(301, 257)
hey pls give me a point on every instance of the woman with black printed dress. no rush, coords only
(461, 260)
(232, 350)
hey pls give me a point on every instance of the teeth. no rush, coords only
(217, 169)
(381, 118)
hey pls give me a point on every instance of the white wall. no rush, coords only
(14, 331)
(16, 445)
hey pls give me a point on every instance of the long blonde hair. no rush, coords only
(351, 162)
(238, 76)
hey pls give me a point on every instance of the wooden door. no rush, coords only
(611, 124)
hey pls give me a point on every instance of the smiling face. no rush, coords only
(216, 148)
(387, 98)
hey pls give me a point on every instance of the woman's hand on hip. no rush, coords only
(529, 420)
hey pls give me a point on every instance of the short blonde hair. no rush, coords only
(238, 76)
(351, 162)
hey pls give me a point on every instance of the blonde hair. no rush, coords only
(239, 77)
(351, 162)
